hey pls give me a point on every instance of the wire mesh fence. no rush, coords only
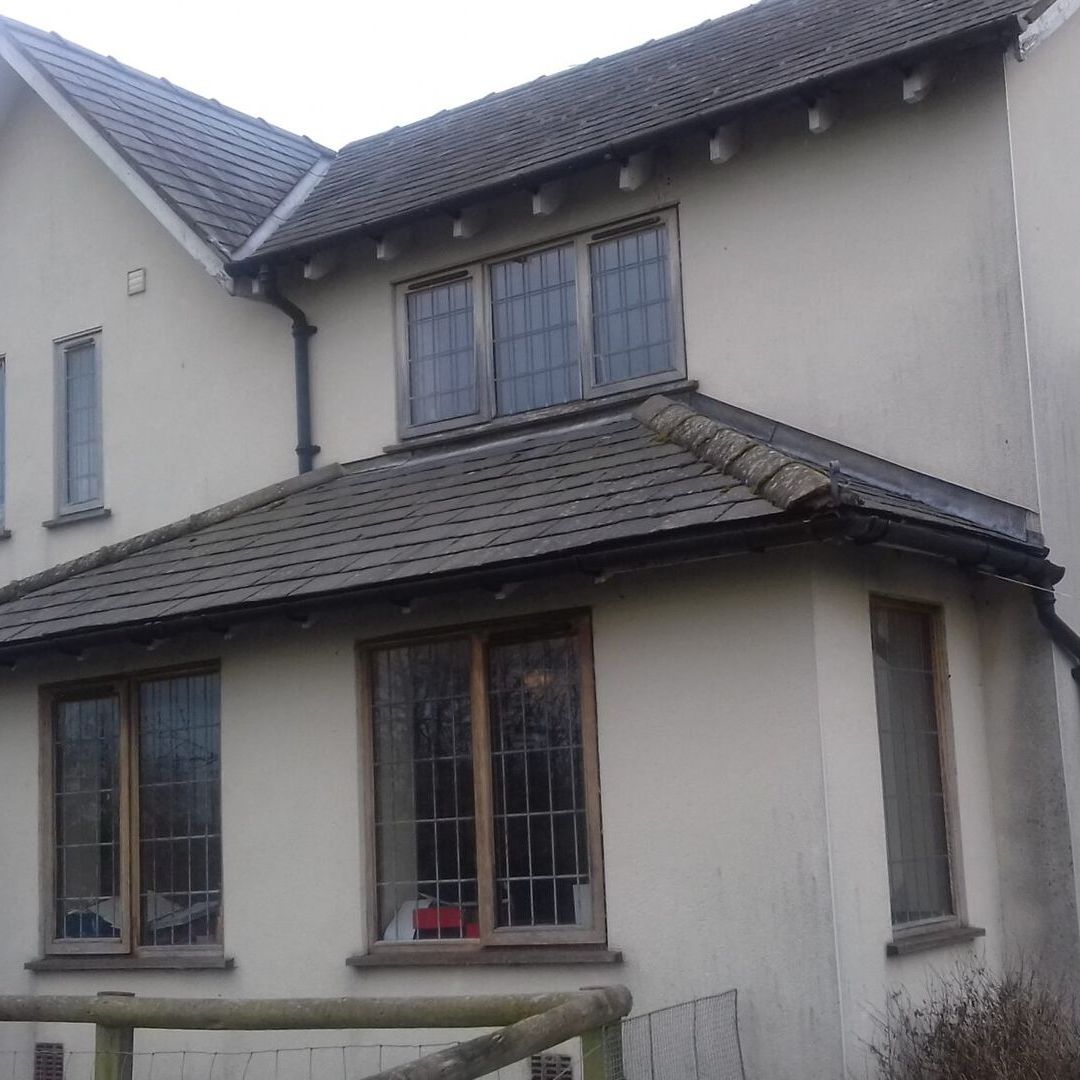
(695, 1040)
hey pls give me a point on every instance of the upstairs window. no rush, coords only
(79, 473)
(579, 319)
(3, 439)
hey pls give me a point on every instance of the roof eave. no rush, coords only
(1024, 563)
(998, 32)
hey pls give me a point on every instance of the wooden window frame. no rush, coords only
(124, 687)
(947, 763)
(478, 274)
(480, 635)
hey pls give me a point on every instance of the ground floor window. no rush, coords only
(908, 677)
(484, 800)
(134, 814)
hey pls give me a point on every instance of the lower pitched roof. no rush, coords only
(578, 495)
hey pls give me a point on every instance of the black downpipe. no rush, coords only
(302, 332)
(1063, 635)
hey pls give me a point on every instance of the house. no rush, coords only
(683, 443)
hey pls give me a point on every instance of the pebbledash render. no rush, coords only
(606, 533)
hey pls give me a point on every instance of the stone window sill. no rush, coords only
(938, 937)
(94, 514)
(538, 417)
(202, 962)
(479, 956)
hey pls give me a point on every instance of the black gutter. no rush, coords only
(302, 332)
(977, 554)
(969, 552)
(848, 525)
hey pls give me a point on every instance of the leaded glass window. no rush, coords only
(586, 317)
(136, 815)
(534, 337)
(3, 438)
(80, 391)
(86, 742)
(633, 324)
(485, 806)
(909, 728)
(442, 354)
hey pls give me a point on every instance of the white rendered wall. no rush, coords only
(861, 284)
(197, 385)
(741, 791)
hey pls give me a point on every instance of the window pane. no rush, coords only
(541, 847)
(180, 811)
(425, 834)
(442, 353)
(633, 324)
(86, 801)
(534, 327)
(919, 874)
(82, 425)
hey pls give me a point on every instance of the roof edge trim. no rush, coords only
(212, 260)
(112, 553)
(1052, 19)
(786, 483)
(284, 210)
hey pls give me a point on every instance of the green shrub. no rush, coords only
(975, 1024)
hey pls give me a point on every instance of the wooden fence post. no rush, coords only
(113, 1046)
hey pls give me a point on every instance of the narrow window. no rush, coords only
(907, 679)
(87, 798)
(179, 816)
(424, 808)
(442, 382)
(3, 439)
(633, 324)
(538, 776)
(136, 815)
(80, 425)
(485, 803)
(535, 335)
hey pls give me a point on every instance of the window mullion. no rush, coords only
(481, 751)
(584, 312)
(485, 341)
(129, 828)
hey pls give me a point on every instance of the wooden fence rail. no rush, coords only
(528, 1023)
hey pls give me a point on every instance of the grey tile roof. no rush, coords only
(400, 521)
(576, 117)
(221, 170)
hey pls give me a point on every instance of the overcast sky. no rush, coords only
(340, 69)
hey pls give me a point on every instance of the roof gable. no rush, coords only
(611, 105)
(219, 171)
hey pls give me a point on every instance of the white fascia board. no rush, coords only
(284, 209)
(211, 260)
(1051, 20)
